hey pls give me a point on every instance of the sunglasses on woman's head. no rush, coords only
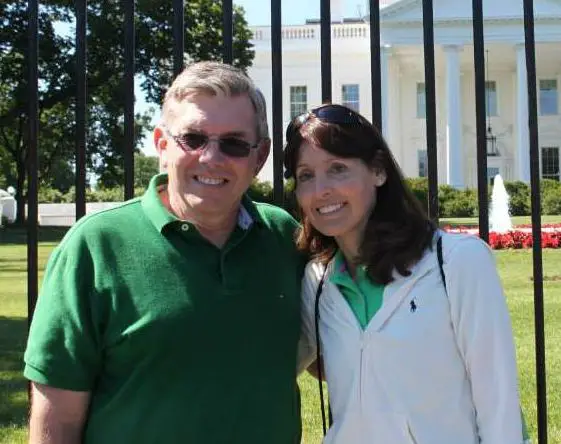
(337, 114)
(229, 145)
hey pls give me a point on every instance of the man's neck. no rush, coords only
(216, 228)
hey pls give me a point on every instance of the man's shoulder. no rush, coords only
(93, 227)
(276, 216)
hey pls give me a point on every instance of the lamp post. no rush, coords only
(489, 136)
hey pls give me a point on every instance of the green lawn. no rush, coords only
(515, 268)
(516, 220)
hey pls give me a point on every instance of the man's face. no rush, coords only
(207, 182)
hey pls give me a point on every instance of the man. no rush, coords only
(174, 318)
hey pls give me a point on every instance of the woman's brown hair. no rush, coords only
(398, 230)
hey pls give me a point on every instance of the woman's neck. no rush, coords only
(349, 246)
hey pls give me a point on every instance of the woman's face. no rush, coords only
(336, 194)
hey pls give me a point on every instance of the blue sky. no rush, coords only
(258, 12)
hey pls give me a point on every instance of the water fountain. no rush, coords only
(499, 217)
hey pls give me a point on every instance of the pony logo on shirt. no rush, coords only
(412, 306)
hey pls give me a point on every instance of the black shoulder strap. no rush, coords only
(441, 261)
(318, 352)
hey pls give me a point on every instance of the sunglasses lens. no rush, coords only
(235, 147)
(195, 141)
(337, 114)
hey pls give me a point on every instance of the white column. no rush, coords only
(522, 121)
(454, 151)
(384, 68)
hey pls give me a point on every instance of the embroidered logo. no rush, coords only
(413, 306)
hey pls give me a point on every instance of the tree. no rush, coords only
(105, 67)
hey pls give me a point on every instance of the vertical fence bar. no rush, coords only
(129, 98)
(228, 30)
(430, 94)
(536, 221)
(276, 64)
(32, 160)
(480, 114)
(375, 63)
(325, 15)
(80, 127)
(178, 36)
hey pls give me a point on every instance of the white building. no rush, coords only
(403, 87)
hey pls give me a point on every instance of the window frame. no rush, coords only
(543, 174)
(555, 111)
(298, 107)
(421, 104)
(352, 104)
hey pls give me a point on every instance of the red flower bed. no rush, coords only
(520, 237)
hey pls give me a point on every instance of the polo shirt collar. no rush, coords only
(160, 216)
(340, 274)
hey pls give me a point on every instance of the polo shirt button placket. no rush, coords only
(185, 227)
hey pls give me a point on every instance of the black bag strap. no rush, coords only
(318, 349)
(441, 262)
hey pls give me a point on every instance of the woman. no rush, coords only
(413, 352)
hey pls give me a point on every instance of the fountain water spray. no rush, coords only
(499, 217)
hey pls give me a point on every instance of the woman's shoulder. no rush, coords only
(463, 247)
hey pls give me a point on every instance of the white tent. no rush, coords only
(7, 206)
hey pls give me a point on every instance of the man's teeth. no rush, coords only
(210, 180)
(330, 208)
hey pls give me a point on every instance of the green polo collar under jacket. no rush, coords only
(363, 296)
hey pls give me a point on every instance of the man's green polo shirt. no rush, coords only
(178, 341)
(363, 296)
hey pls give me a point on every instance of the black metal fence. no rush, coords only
(277, 130)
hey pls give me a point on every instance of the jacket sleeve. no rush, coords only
(307, 345)
(484, 335)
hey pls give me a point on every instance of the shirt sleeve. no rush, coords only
(484, 334)
(307, 350)
(63, 348)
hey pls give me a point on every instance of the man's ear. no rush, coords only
(262, 154)
(160, 143)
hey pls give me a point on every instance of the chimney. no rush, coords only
(336, 11)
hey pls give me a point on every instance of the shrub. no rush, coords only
(519, 198)
(552, 204)
(420, 188)
(50, 195)
(459, 204)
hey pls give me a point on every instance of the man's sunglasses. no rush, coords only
(231, 146)
(337, 114)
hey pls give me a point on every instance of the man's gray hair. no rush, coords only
(214, 78)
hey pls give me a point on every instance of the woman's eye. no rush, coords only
(338, 168)
(303, 176)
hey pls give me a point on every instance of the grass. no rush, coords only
(515, 268)
(516, 220)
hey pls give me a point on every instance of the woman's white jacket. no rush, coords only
(432, 367)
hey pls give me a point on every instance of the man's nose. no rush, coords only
(211, 152)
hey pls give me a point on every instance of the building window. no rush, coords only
(421, 101)
(491, 97)
(491, 173)
(550, 163)
(548, 98)
(422, 163)
(351, 97)
(298, 100)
